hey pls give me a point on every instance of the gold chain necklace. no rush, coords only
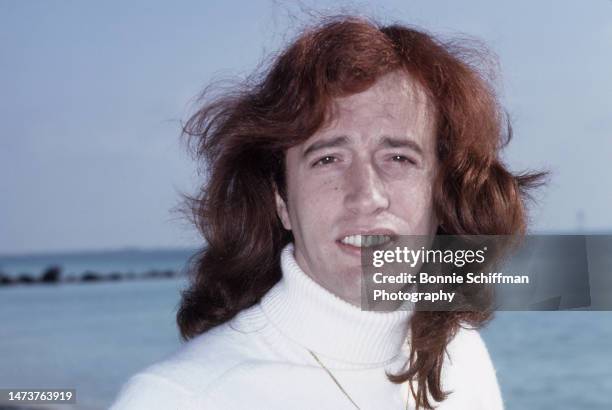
(330, 374)
(333, 378)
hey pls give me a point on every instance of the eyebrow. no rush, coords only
(394, 142)
(327, 143)
(386, 141)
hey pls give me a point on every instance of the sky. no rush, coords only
(92, 95)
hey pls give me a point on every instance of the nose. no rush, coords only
(365, 190)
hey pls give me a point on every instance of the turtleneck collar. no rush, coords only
(320, 321)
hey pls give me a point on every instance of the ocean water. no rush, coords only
(87, 336)
(553, 360)
(93, 336)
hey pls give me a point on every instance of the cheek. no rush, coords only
(325, 197)
(413, 201)
(317, 202)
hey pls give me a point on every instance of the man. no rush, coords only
(356, 134)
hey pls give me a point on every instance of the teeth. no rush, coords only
(365, 241)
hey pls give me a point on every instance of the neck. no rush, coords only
(320, 321)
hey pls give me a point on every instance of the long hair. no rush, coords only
(241, 136)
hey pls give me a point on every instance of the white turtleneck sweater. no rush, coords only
(261, 359)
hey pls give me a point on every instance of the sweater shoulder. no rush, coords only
(468, 345)
(188, 374)
(469, 374)
(146, 391)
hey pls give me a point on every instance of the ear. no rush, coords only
(281, 210)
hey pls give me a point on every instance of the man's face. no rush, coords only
(368, 172)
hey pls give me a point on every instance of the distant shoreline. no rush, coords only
(52, 275)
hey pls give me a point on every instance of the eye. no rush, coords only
(402, 159)
(328, 159)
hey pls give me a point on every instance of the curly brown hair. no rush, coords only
(242, 136)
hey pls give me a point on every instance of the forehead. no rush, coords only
(394, 105)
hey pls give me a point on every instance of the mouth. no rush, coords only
(365, 241)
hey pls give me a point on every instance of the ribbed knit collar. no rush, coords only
(320, 321)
